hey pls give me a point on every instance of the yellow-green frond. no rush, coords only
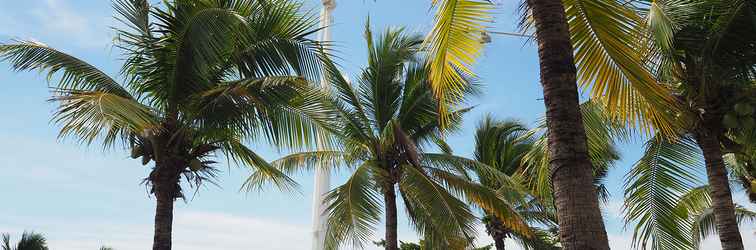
(454, 44)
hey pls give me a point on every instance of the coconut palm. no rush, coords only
(503, 145)
(512, 149)
(386, 122)
(703, 52)
(28, 241)
(605, 45)
(667, 197)
(199, 78)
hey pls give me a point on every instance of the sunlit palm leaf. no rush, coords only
(610, 53)
(454, 44)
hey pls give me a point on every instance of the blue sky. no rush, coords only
(82, 197)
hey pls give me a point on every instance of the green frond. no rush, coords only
(454, 44)
(286, 109)
(486, 198)
(75, 74)
(92, 115)
(353, 210)
(28, 241)
(697, 204)
(432, 207)
(655, 186)
(306, 161)
(263, 173)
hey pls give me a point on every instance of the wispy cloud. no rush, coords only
(56, 21)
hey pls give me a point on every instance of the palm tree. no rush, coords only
(667, 197)
(704, 53)
(608, 66)
(503, 145)
(512, 149)
(385, 123)
(28, 241)
(199, 78)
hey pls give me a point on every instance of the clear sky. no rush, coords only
(81, 197)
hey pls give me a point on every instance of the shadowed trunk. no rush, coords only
(163, 222)
(392, 242)
(497, 231)
(581, 226)
(165, 180)
(721, 196)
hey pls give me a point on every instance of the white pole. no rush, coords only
(322, 176)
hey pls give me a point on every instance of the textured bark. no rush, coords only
(581, 226)
(392, 242)
(165, 181)
(163, 222)
(721, 196)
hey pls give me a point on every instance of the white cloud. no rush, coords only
(59, 18)
(56, 21)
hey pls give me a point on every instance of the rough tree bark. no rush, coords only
(392, 242)
(581, 226)
(721, 195)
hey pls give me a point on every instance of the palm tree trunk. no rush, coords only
(163, 221)
(391, 225)
(581, 226)
(721, 196)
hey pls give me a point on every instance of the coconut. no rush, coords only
(195, 165)
(743, 108)
(136, 151)
(730, 120)
(748, 122)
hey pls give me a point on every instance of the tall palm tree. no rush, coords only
(667, 197)
(516, 151)
(385, 123)
(28, 241)
(703, 51)
(503, 145)
(199, 77)
(608, 66)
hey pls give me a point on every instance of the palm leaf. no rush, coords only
(454, 44)
(89, 115)
(353, 210)
(76, 74)
(653, 188)
(609, 53)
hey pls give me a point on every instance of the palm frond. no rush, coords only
(434, 208)
(609, 53)
(75, 73)
(454, 44)
(263, 172)
(653, 188)
(353, 208)
(89, 115)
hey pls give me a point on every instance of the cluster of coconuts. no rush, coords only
(139, 150)
(740, 117)
(142, 150)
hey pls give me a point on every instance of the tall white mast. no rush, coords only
(322, 175)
